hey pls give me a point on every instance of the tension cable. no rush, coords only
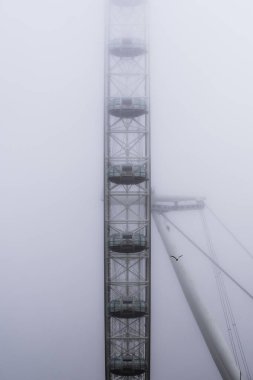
(209, 258)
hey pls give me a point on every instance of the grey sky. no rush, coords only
(51, 133)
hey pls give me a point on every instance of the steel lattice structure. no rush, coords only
(127, 192)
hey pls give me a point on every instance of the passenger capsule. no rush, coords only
(127, 108)
(127, 47)
(127, 308)
(127, 174)
(128, 365)
(127, 242)
(127, 3)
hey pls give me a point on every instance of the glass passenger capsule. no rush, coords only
(128, 365)
(127, 307)
(127, 3)
(127, 174)
(127, 107)
(127, 242)
(127, 47)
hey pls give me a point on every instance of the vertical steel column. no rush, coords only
(127, 192)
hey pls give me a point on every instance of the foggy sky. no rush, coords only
(51, 137)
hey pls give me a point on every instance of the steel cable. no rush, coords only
(245, 249)
(226, 305)
(245, 291)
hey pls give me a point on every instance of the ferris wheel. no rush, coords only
(127, 192)
(128, 206)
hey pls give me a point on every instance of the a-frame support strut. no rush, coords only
(214, 339)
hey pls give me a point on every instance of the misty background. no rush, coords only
(51, 138)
